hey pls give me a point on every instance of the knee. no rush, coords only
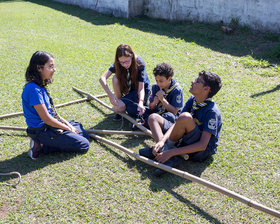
(84, 145)
(153, 118)
(185, 116)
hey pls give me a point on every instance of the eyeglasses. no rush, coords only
(125, 62)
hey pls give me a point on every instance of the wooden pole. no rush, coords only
(57, 106)
(142, 128)
(193, 178)
(112, 132)
(13, 128)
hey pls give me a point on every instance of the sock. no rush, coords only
(169, 144)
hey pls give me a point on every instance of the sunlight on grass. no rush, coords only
(105, 185)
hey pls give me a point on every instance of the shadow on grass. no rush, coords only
(242, 43)
(24, 165)
(169, 181)
(266, 92)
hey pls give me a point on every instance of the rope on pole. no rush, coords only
(193, 178)
(141, 127)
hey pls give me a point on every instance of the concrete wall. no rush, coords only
(258, 14)
(118, 8)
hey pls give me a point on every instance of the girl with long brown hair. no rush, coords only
(130, 83)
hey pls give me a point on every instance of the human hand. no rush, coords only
(160, 95)
(73, 129)
(156, 100)
(157, 147)
(162, 157)
(141, 108)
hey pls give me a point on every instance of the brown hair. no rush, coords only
(125, 50)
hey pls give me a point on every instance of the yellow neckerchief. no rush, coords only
(161, 108)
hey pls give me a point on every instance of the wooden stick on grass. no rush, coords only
(142, 128)
(57, 106)
(112, 132)
(191, 177)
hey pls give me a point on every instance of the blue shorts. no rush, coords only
(190, 138)
(131, 102)
(169, 120)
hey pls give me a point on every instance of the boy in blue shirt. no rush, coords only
(196, 132)
(166, 101)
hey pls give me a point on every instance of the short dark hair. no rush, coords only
(39, 58)
(212, 80)
(163, 69)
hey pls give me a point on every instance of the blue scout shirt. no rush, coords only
(174, 97)
(208, 118)
(32, 95)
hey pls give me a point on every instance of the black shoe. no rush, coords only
(117, 117)
(172, 162)
(147, 152)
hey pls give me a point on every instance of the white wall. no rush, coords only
(258, 14)
(118, 8)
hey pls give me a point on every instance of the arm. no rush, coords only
(141, 95)
(49, 120)
(195, 147)
(153, 104)
(165, 103)
(103, 82)
(159, 145)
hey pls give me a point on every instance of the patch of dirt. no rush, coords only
(4, 210)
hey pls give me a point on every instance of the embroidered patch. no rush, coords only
(212, 124)
(179, 99)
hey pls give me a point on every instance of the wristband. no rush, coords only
(141, 100)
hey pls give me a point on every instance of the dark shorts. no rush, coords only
(169, 120)
(131, 102)
(190, 138)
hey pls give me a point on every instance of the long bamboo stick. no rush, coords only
(57, 106)
(90, 131)
(112, 132)
(13, 128)
(193, 178)
(142, 128)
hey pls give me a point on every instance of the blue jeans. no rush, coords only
(62, 142)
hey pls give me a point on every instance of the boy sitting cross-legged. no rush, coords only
(196, 132)
(166, 101)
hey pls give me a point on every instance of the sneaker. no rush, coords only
(147, 152)
(117, 117)
(172, 162)
(35, 149)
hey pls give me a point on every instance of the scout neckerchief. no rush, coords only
(197, 106)
(56, 116)
(128, 80)
(161, 108)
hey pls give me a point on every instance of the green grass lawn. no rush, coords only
(105, 185)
